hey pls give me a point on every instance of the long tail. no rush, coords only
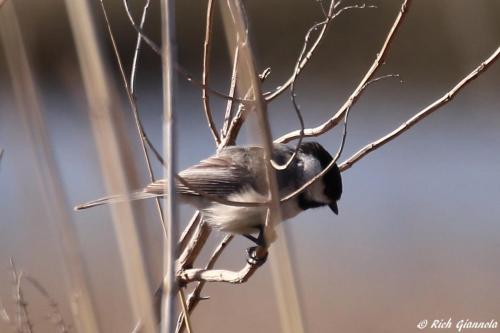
(118, 198)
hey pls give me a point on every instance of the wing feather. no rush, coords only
(217, 175)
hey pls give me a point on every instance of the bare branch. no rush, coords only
(220, 275)
(232, 89)
(295, 77)
(240, 116)
(325, 170)
(193, 248)
(135, 111)
(206, 70)
(188, 231)
(137, 45)
(185, 315)
(422, 114)
(324, 26)
(139, 30)
(329, 17)
(195, 296)
(177, 66)
(381, 55)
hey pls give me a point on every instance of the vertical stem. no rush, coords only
(169, 139)
(110, 142)
(284, 282)
(47, 172)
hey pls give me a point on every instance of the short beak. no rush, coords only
(334, 208)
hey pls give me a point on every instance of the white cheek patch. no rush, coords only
(316, 191)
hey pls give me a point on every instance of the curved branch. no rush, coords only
(381, 55)
(138, 47)
(206, 71)
(329, 17)
(135, 111)
(422, 114)
(177, 66)
(221, 275)
(195, 297)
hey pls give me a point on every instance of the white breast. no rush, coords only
(244, 220)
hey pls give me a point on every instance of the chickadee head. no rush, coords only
(332, 181)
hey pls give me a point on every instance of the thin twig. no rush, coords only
(232, 90)
(422, 114)
(139, 30)
(379, 60)
(206, 70)
(193, 248)
(325, 170)
(294, 101)
(220, 275)
(330, 16)
(185, 312)
(324, 26)
(188, 231)
(137, 46)
(195, 297)
(176, 66)
(133, 106)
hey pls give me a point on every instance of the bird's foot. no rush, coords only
(256, 256)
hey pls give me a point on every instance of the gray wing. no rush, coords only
(219, 175)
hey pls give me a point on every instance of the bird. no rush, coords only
(237, 174)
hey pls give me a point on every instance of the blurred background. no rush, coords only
(418, 234)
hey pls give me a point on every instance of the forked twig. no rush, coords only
(177, 66)
(135, 111)
(329, 17)
(137, 46)
(195, 297)
(379, 59)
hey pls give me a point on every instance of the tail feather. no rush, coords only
(112, 199)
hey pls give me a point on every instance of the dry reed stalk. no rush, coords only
(110, 141)
(47, 172)
(170, 287)
(235, 26)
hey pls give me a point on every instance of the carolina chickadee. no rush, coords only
(237, 173)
